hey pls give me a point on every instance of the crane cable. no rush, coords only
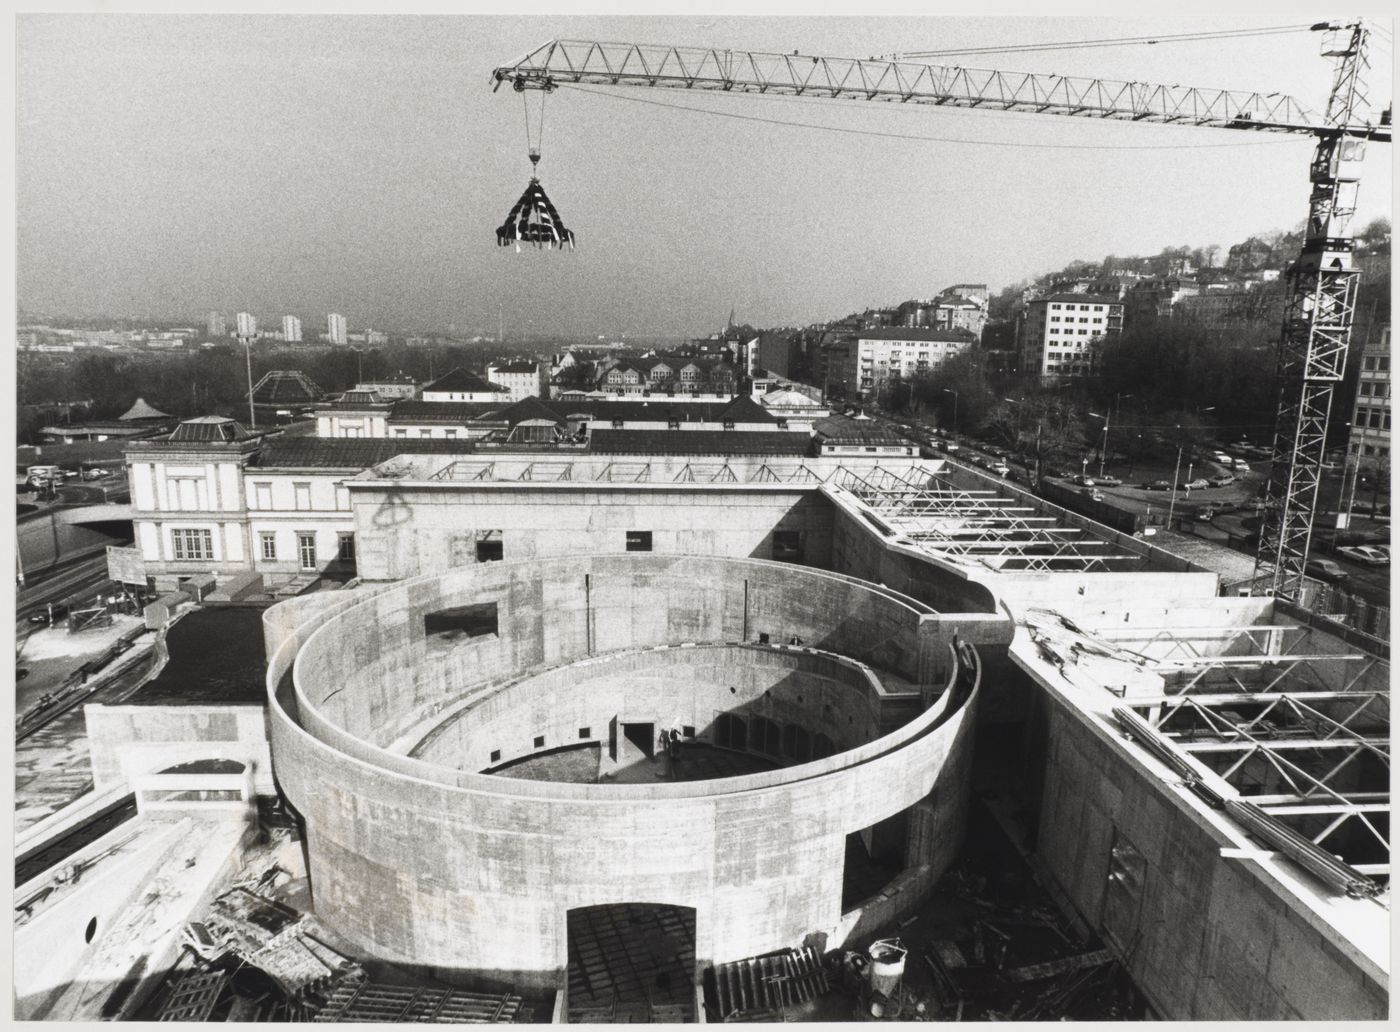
(533, 145)
(914, 137)
(1180, 37)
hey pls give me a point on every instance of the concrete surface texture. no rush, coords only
(471, 875)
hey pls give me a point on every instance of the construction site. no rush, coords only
(712, 738)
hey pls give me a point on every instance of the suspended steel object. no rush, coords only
(534, 220)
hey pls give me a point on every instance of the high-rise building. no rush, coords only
(216, 325)
(291, 329)
(336, 329)
(1060, 334)
(1369, 439)
(247, 325)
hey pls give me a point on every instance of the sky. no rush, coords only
(167, 165)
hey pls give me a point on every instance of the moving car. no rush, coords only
(998, 467)
(1157, 485)
(1240, 466)
(1193, 485)
(1108, 481)
(1222, 458)
(1083, 481)
(1222, 480)
(1369, 555)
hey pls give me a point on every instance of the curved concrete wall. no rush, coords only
(473, 875)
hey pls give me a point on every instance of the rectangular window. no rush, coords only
(345, 546)
(425, 433)
(451, 433)
(302, 491)
(1383, 364)
(585, 732)
(461, 624)
(306, 550)
(400, 433)
(342, 499)
(639, 541)
(617, 424)
(267, 543)
(490, 549)
(787, 546)
(262, 496)
(193, 544)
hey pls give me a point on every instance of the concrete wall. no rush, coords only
(127, 741)
(44, 538)
(1204, 936)
(470, 874)
(816, 692)
(405, 531)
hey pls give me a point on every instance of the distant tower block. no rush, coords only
(247, 326)
(336, 329)
(291, 329)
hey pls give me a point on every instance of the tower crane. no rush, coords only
(1321, 282)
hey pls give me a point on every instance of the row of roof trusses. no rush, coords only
(1312, 760)
(633, 472)
(1175, 642)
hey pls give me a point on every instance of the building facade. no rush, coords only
(247, 326)
(337, 331)
(1370, 422)
(291, 329)
(1060, 333)
(521, 379)
(879, 356)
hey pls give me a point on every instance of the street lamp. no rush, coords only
(1176, 479)
(248, 356)
(949, 390)
(1103, 448)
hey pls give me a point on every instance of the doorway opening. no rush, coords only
(631, 962)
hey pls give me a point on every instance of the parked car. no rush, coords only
(1157, 485)
(1222, 458)
(1240, 466)
(1083, 481)
(95, 474)
(1109, 481)
(1327, 570)
(1000, 468)
(1223, 480)
(1368, 555)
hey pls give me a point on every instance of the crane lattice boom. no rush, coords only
(910, 82)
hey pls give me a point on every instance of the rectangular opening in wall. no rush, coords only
(495, 755)
(639, 541)
(787, 546)
(585, 732)
(539, 741)
(490, 547)
(460, 624)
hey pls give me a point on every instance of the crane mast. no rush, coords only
(1321, 283)
(1317, 320)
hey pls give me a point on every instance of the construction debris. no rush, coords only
(742, 989)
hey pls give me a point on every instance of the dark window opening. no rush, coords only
(688, 730)
(539, 741)
(461, 623)
(787, 546)
(763, 639)
(490, 549)
(585, 732)
(495, 755)
(639, 541)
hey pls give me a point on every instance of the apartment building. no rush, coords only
(1060, 333)
(1370, 423)
(521, 379)
(878, 356)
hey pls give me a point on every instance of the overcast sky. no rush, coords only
(171, 164)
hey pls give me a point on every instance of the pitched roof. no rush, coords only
(656, 409)
(915, 334)
(211, 429)
(846, 430)
(529, 408)
(286, 387)
(411, 410)
(1080, 299)
(744, 409)
(143, 410)
(518, 367)
(462, 382)
(358, 399)
(355, 453)
(698, 442)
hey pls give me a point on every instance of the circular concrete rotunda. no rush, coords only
(807, 709)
